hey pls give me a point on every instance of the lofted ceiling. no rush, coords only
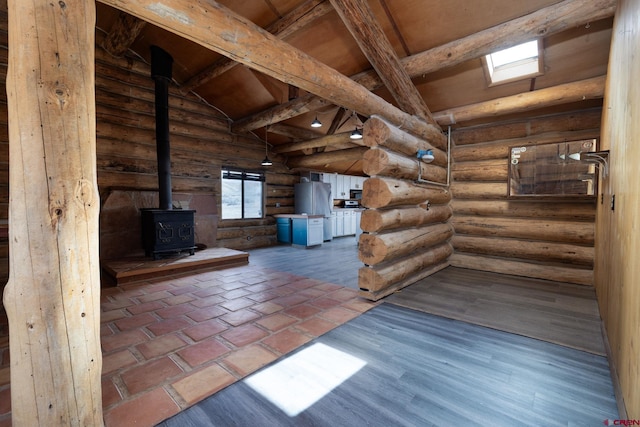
(252, 100)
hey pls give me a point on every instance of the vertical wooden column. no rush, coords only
(53, 294)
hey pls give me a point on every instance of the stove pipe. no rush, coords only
(161, 63)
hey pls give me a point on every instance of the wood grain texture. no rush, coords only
(556, 312)
(425, 370)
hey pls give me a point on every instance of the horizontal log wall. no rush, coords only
(201, 144)
(406, 230)
(551, 240)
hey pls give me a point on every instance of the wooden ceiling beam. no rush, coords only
(292, 132)
(359, 19)
(326, 161)
(215, 27)
(542, 23)
(562, 94)
(287, 25)
(322, 141)
(122, 34)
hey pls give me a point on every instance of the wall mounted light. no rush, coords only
(316, 123)
(425, 155)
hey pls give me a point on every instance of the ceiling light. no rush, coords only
(356, 134)
(316, 123)
(266, 161)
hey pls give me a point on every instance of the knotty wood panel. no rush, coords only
(617, 271)
(493, 231)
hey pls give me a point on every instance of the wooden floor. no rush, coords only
(560, 313)
(416, 369)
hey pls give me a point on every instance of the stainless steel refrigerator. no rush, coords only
(314, 198)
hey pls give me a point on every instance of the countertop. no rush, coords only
(297, 216)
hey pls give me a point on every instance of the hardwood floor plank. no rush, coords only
(426, 370)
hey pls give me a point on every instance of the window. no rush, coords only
(242, 194)
(516, 63)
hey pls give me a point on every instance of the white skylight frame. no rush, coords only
(519, 62)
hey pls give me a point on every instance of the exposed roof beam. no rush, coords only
(365, 29)
(293, 132)
(562, 94)
(326, 161)
(215, 27)
(323, 141)
(544, 22)
(122, 34)
(290, 23)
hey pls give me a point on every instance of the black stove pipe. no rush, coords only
(161, 63)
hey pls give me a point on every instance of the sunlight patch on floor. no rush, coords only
(300, 380)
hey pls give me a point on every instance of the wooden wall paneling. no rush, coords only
(617, 269)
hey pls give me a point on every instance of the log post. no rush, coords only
(52, 298)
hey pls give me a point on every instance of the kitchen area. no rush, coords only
(327, 206)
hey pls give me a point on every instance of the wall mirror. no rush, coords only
(553, 170)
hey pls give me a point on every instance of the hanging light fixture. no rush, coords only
(266, 161)
(316, 123)
(357, 132)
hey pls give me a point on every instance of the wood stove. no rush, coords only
(165, 230)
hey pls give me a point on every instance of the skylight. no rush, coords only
(516, 63)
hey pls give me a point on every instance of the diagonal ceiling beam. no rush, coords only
(544, 22)
(359, 19)
(215, 27)
(122, 34)
(289, 24)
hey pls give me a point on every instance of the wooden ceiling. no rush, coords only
(574, 50)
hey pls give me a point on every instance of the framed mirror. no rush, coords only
(553, 170)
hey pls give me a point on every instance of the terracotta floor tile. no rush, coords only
(154, 296)
(237, 304)
(209, 291)
(339, 314)
(179, 299)
(239, 317)
(325, 302)
(106, 329)
(185, 281)
(312, 293)
(244, 335)
(253, 280)
(111, 315)
(284, 290)
(136, 321)
(149, 374)
(146, 410)
(203, 352)
(202, 383)
(184, 289)
(276, 322)
(122, 340)
(286, 340)
(360, 305)
(302, 311)
(206, 313)
(114, 361)
(5, 401)
(329, 287)
(5, 376)
(263, 296)
(249, 359)
(344, 294)
(170, 325)
(117, 304)
(316, 326)
(267, 307)
(174, 311)
(142, 308)
(205, 329)
(208, 301)
(260, 287)
(236, 293)
(305, 283)
(110, 393)
(164, 345)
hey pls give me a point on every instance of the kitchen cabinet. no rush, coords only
(307, 231)
(341, 185)
(332, 179)
(346, 222)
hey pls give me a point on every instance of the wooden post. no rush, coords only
(52, 298)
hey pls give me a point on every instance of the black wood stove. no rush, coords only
(165, 230)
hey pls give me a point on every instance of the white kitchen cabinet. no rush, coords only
(332, 179)
(349, 223)
(356, 182)
(342, 186)
(339, 223)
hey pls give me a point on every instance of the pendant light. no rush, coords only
(316, 123)
(357, 132)
(266, 161)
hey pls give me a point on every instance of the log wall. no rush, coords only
(551, 240)
(201, 143)
(617, 272)
(406, 229)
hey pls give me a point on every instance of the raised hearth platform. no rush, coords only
(137, 268)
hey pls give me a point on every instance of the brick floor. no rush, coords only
(169, 343)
